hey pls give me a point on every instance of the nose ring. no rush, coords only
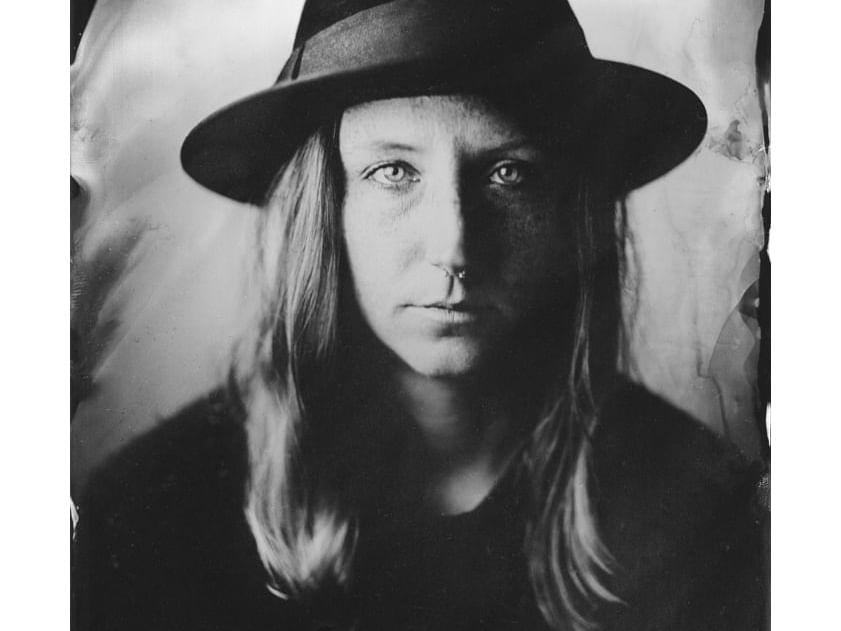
(461, 274)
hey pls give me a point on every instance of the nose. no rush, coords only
(444, 227)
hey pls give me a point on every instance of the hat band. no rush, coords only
(411, 31)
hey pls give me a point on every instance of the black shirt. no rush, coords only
(162, 542)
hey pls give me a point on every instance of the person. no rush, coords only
(427, 426)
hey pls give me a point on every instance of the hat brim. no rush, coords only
(628, 122)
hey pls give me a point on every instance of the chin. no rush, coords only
(443, 359)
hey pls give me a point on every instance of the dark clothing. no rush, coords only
(162, 542)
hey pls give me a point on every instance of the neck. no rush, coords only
(462, 437)
(454, 419)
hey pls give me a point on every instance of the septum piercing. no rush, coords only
(461, 275)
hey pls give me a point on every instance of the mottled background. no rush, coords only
(159, 265)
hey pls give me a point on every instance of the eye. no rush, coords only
(509, 174)
(392, 175)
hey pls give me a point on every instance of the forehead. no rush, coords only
(467, 120)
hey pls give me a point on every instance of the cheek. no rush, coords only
(378, 251)
(536, 248)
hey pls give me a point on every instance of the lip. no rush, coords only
(453, 313)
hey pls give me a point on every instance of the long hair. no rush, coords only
(569, 566)
(305, 533)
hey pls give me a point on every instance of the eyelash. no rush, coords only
(521, 168)
(409, 174)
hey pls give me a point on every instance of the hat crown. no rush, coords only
(350, 35)
(318, 15)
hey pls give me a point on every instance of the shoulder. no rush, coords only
(199, 450)
(677, 510)
(644, 443)
(162, 540)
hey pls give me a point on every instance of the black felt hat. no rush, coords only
(633, 122)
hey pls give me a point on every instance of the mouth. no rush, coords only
(462, 312)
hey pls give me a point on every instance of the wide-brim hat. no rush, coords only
(631, 122)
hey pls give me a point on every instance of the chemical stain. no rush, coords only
(732, 144)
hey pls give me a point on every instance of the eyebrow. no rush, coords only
(391, 145)
(517, 141)
(520, 142)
